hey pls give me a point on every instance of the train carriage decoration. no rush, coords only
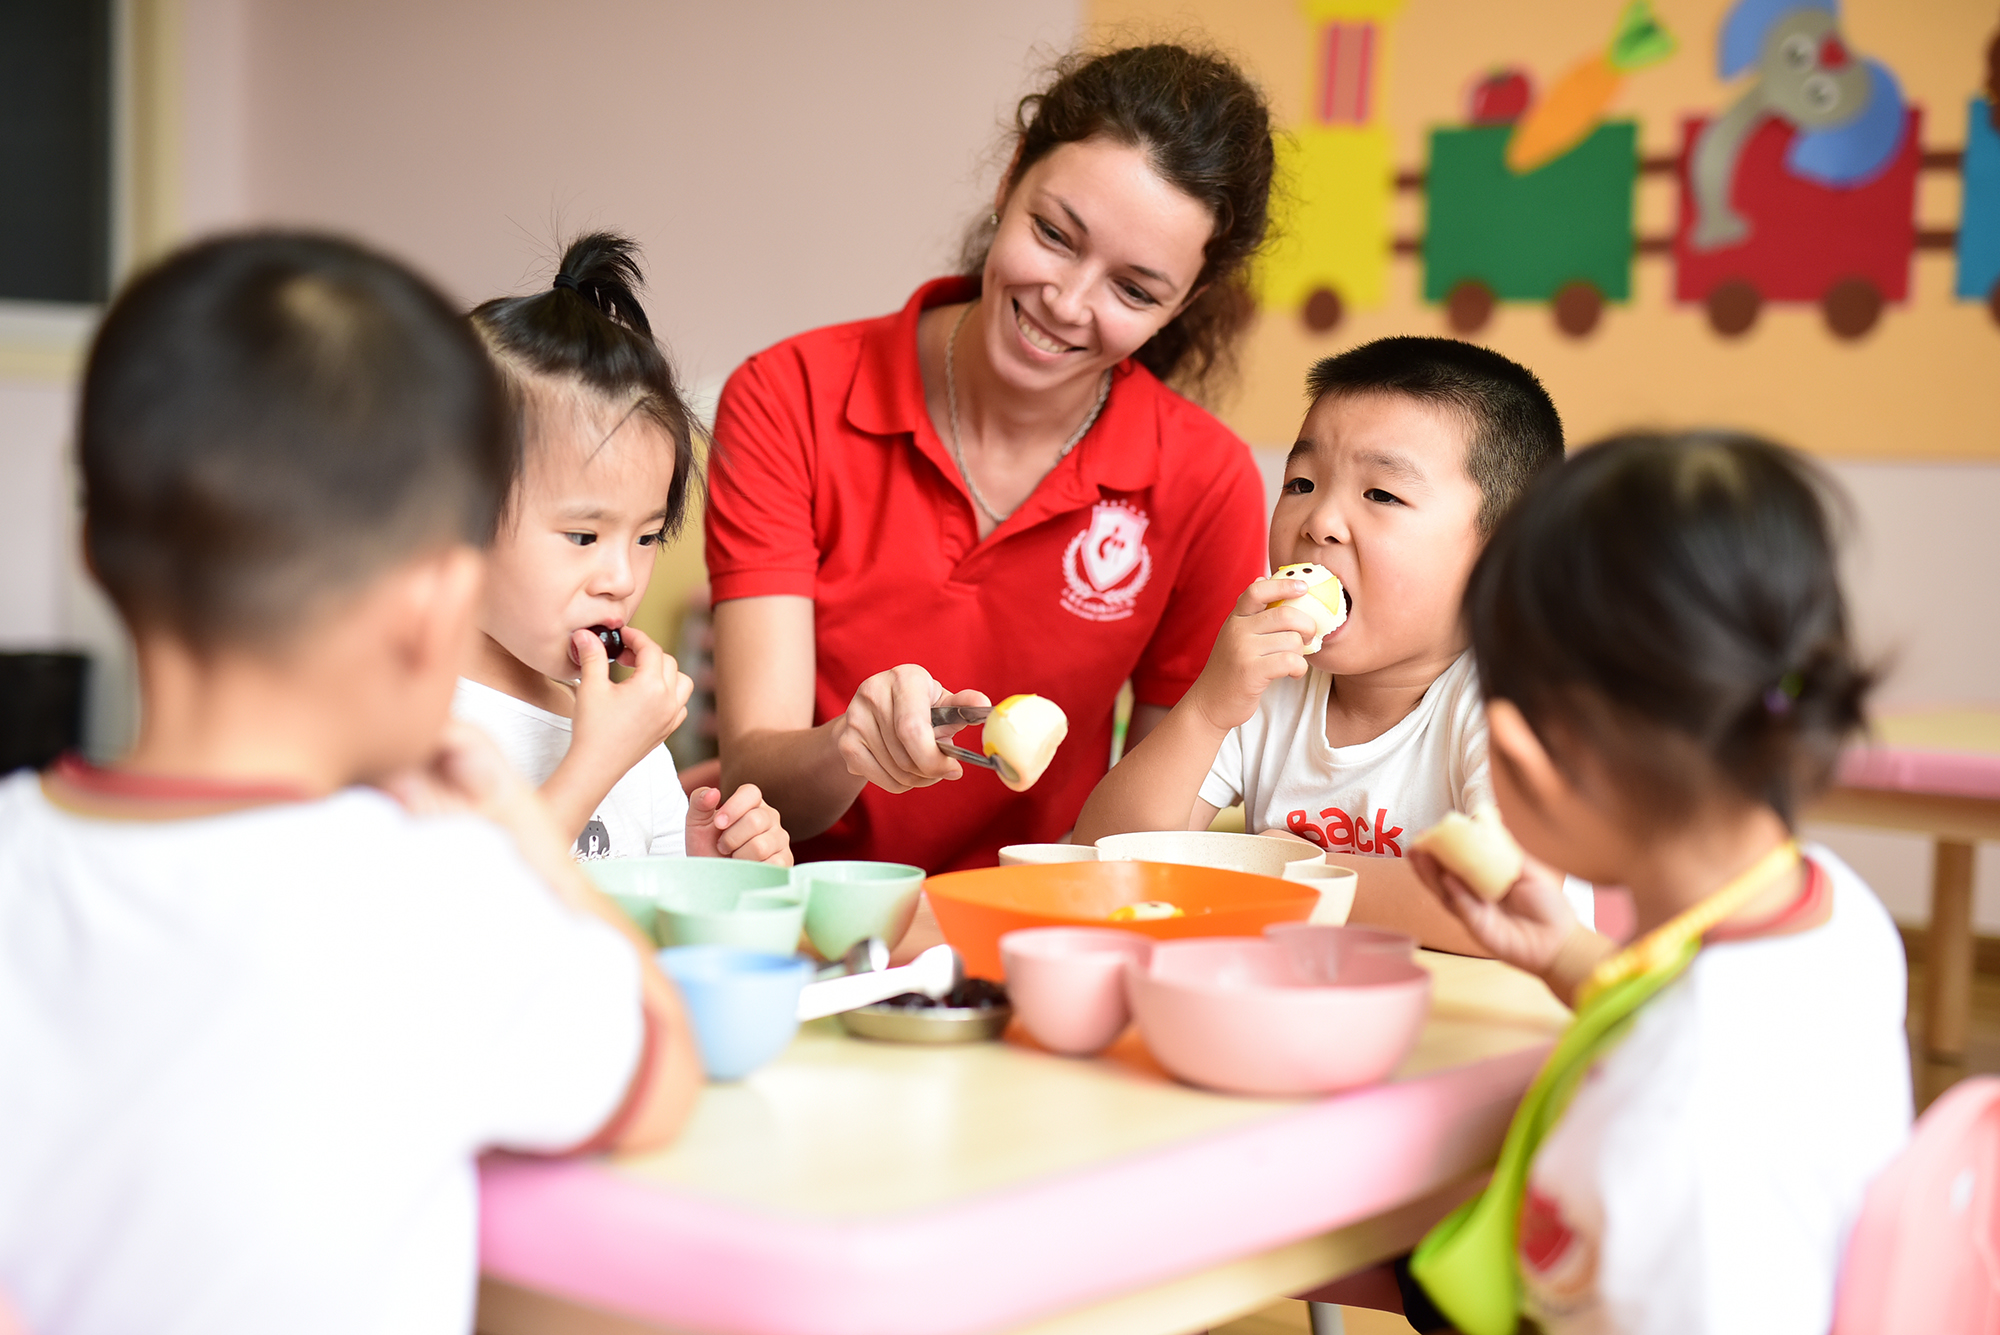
(1801, 190)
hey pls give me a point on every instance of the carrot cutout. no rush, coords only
(1572, 109)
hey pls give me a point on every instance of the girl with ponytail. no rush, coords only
(1664, 651)
(602, 471)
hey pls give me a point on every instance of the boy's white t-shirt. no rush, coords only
(246, 1061)
(1369, 799)
(1705, 1177)
(644, 814)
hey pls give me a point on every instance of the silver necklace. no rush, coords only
(951, 403)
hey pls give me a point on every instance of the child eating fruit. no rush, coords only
(1663, 648)
(257, 1019)
(1411, 451)
(607, 458)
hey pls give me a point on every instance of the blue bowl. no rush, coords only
(744, 1004)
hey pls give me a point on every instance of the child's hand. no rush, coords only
(745, 827)
(1526, 927)
(1258, 644)
(617, 724)
(466, 774)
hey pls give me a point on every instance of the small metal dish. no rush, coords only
(928, 1024)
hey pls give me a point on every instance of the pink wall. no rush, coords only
(784, 165)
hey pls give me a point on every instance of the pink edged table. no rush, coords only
(856, 1188)
(1935, 772)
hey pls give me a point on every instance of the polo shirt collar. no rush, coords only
(1121, 453)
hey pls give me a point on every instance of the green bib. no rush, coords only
(1467, 1263)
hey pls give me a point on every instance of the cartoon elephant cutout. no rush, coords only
(1848, 110)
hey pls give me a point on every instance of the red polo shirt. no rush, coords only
(828, 482)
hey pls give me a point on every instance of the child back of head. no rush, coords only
(1672, 604)
(1665, 654)
(270, 421)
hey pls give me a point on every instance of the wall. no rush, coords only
(783, 165)
(1892, 410)
(1650, 360)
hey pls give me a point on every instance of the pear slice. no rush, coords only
(1147, 910)
(1324, 600)
(1022, 733)
(1477, 849)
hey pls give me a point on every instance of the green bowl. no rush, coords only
(848, 902)
(706, 901)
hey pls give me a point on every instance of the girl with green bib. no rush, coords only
(1664, 651)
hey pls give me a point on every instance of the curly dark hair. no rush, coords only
(1206, 129)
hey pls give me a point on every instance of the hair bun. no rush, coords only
(603, 269)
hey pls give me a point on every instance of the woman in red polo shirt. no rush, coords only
(994, 490)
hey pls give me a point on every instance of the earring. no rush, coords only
(995, 219)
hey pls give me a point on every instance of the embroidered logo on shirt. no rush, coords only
(594, 842)
(1106, 565)
(1345, 833)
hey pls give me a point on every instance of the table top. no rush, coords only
(1951, 752)
(878, 1188)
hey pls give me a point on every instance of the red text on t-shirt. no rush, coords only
(1343, 832)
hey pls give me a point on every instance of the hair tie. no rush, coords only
(1778, 700)
(564, 280)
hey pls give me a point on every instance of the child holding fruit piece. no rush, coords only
(607, 460)
(272, 980)
(1663, 650)
(1340, 704)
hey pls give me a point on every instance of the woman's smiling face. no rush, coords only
(1094, 254)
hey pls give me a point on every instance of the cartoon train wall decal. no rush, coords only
(1802, 190)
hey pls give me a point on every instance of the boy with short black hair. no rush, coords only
(256, 1017)
(1411, 451)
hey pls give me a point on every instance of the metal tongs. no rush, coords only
(965, 716)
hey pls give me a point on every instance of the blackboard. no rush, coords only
(55, 150)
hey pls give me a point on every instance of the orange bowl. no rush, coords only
(976, 908)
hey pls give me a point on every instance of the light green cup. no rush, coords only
(707, 901)
(851, 901)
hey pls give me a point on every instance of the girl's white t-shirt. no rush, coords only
(1706, 1176)
(644, 814)
(1372, 798)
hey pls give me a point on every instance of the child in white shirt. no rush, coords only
(257, 1016)
(607, 461)
(1664, 654)
(1411, 451)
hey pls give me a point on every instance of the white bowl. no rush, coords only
(1034, 855)
(1259, 854)
(1336, 886)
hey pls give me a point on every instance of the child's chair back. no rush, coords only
(1925, 1255)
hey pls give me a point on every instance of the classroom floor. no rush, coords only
(1930, 1079)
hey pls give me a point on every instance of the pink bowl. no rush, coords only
(1068, 983)
(1318, 952)
(1244, 1016)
